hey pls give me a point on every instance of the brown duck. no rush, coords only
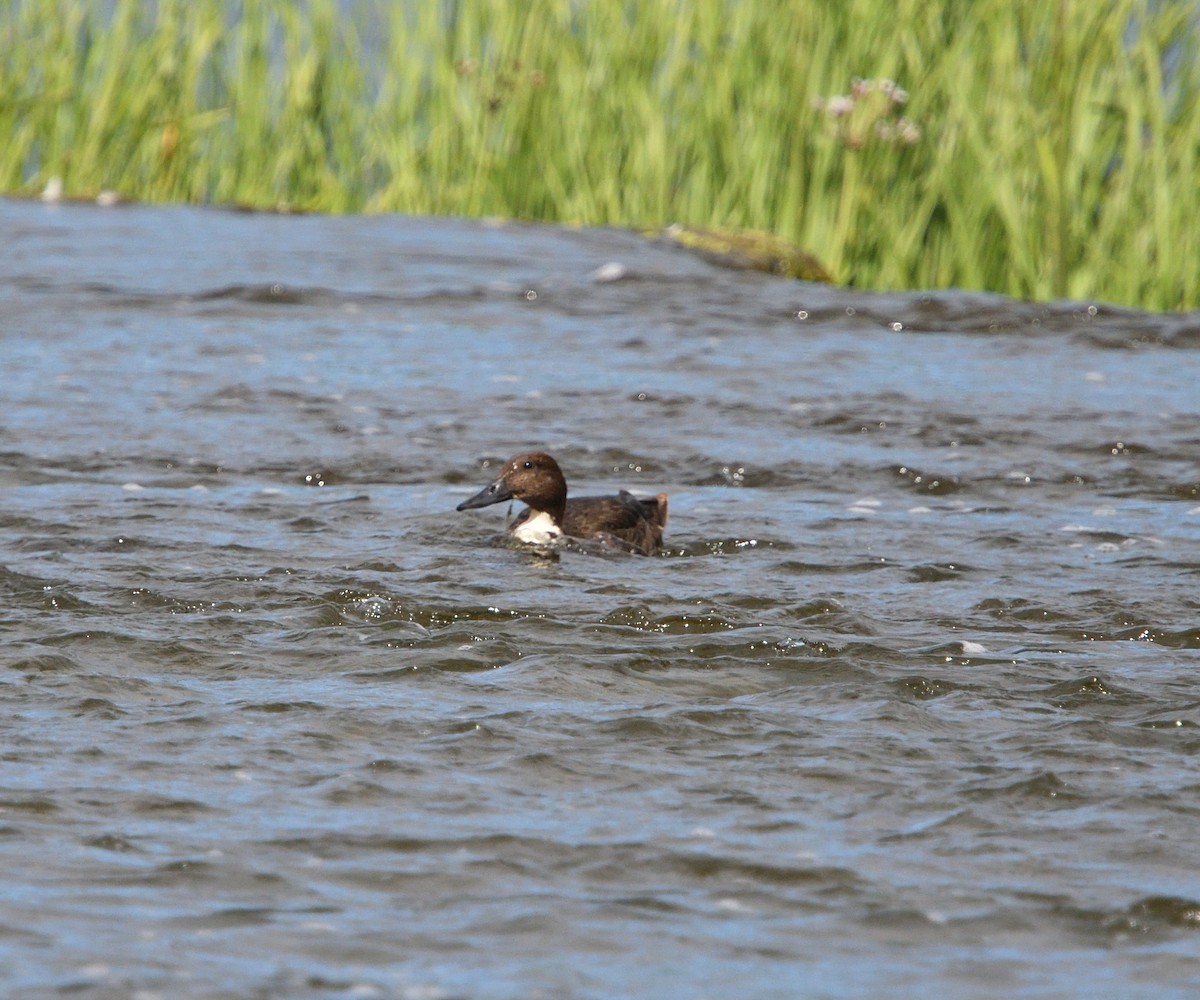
(622, 521)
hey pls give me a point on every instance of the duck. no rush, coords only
(623, 522)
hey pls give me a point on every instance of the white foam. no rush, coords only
(612, 271)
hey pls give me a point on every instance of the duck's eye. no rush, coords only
(529, 465)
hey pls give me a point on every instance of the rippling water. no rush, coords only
(908, 707)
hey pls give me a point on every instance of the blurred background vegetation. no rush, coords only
(1039, 148)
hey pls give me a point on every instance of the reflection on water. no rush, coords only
(908, 704)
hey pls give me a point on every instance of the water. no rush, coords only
(908, 707)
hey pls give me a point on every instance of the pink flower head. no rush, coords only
(839, 106)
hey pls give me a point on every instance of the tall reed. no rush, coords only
(1043, 149)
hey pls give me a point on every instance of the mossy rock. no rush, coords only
(749, 250)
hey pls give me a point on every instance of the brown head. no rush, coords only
(532, 477)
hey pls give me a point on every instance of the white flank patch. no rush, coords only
(539, 530)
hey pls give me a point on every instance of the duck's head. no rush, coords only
(532, 477)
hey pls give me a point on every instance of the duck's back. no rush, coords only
(636, 524)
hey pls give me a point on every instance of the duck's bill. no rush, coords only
(497, 492)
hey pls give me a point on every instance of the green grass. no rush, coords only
(1056, 155)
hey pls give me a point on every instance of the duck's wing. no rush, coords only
(622, 521)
